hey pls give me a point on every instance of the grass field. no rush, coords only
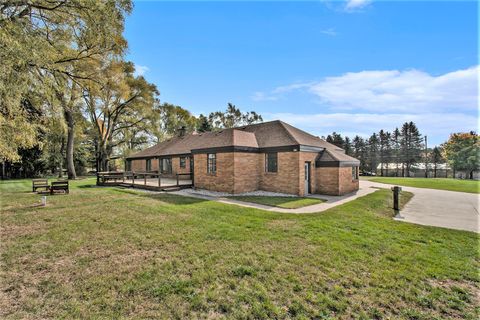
(114, 253)
(470, 186)
(281, 202)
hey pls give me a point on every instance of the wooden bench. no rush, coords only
(59, 185)
(40, 184)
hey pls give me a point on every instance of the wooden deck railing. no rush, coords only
(134, 179)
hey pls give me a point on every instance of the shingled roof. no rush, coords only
(261, 135)
(330, 157)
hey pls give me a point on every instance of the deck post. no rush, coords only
(123, 177)
(177, 181)
(133, 179)
(159, 174)
(145, 179)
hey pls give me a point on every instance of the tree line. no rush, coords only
(395, 153)
(68, 97)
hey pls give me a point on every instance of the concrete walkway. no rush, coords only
(439, 208)
(332, 201)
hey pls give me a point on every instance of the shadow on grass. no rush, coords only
(161, 196)
(279, 201)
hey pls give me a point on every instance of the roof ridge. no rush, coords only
(303, 131)
(290, 135)
(254, 124)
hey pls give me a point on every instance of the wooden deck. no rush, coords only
(145, 180)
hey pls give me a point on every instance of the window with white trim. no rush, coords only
(212, 163)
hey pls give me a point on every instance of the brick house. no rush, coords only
(271, 156)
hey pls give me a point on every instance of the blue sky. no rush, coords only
(348, 66)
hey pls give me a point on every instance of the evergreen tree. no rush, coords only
(411, 146)
(384, 149)
(233, 117)
(359, 151)
(203, 124)
(336, 139)
(373, 152)
(347, 146)
(395, 149)
(436, 159)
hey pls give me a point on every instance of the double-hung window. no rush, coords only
(128, 165)
(211, 163)
(149, 165)
(271, 163)
(183, 161)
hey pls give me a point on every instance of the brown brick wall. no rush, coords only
(335, 180)
(138, 165)
(176, 167)
(346, 183)
(327, 180)
(246, 170)
(286, 179)
(222, 180)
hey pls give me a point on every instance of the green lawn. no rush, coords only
(281, 202)
(470, 186)
(113, 253)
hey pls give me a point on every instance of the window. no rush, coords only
(354, 173)
(166, 165)
(271, 162)
(183, 161)
(212, 163)
(128, 165)
(148, 167)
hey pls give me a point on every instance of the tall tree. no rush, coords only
(43, 39)
(411, 146)
(462, 152)
(384, 150)
(233, 117)
(171, 119)
(347, 146)
(203, 124)
(396, 152)
(122, 101)
(336, 139)
(359, 151)
(436, 159)
(373, 152)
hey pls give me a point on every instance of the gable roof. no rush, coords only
(261, 135)
(328, 157)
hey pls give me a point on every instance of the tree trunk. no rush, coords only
(435, 171)
(471, 175)
(60, 165)
(70, 139)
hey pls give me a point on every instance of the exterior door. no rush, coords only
(307, 177)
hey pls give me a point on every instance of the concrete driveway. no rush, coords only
(439, 208)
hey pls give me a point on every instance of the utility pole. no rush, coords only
(426, 158)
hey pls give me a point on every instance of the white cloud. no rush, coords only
(437, 126)
(356, 4)
(410, 91)
(329, 32)
(261, 96)
(140, 70)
